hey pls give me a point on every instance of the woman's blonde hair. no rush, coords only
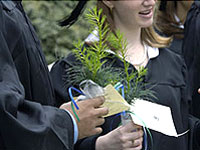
(148, 35)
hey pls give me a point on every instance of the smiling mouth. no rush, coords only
(146, 12)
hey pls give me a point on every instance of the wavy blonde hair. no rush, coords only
(148, 35)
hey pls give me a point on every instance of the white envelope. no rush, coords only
(156, 117)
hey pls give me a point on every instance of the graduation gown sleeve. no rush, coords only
(26, 124)
(59, 76)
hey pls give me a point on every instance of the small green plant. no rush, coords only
(132, 80)
(92, 58)
(93, 61)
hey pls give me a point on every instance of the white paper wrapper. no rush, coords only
(90, 89)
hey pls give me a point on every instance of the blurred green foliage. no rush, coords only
(56, 41)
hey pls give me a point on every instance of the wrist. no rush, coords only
(76, 133)
(69, 107)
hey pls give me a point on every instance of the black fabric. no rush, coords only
(176, 46)
(194, 124)
(191, 53)
(59, 77)
(167, 73)
(25, 87)
(188, 48)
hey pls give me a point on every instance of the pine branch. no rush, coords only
(94, 66)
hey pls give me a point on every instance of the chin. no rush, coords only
(146, 24)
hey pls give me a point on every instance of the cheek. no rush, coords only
(129, 5)
(126, 14)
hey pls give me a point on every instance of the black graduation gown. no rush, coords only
(27, 118)
(191, 53)
(167, 73)
(188, 47)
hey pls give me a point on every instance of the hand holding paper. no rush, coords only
(154, 116)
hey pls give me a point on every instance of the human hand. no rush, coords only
(90, 115)
(127, 137)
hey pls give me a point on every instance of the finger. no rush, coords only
(138, 126)
(137, 142)
(138, 148)
(135, 148)
(97, 130)
(128, 144)
(100, 121)
(98, 101)
(99, 112)
(134, 135)
(129, 127)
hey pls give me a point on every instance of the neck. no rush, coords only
(132, 36)
(135, 53)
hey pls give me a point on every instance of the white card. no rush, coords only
(156, 117)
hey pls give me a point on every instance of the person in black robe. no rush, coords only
(28, 118)
(167, 73)
(182, 24)
(179, 19)
(191, 53)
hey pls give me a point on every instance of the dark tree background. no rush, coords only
(56, 41)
